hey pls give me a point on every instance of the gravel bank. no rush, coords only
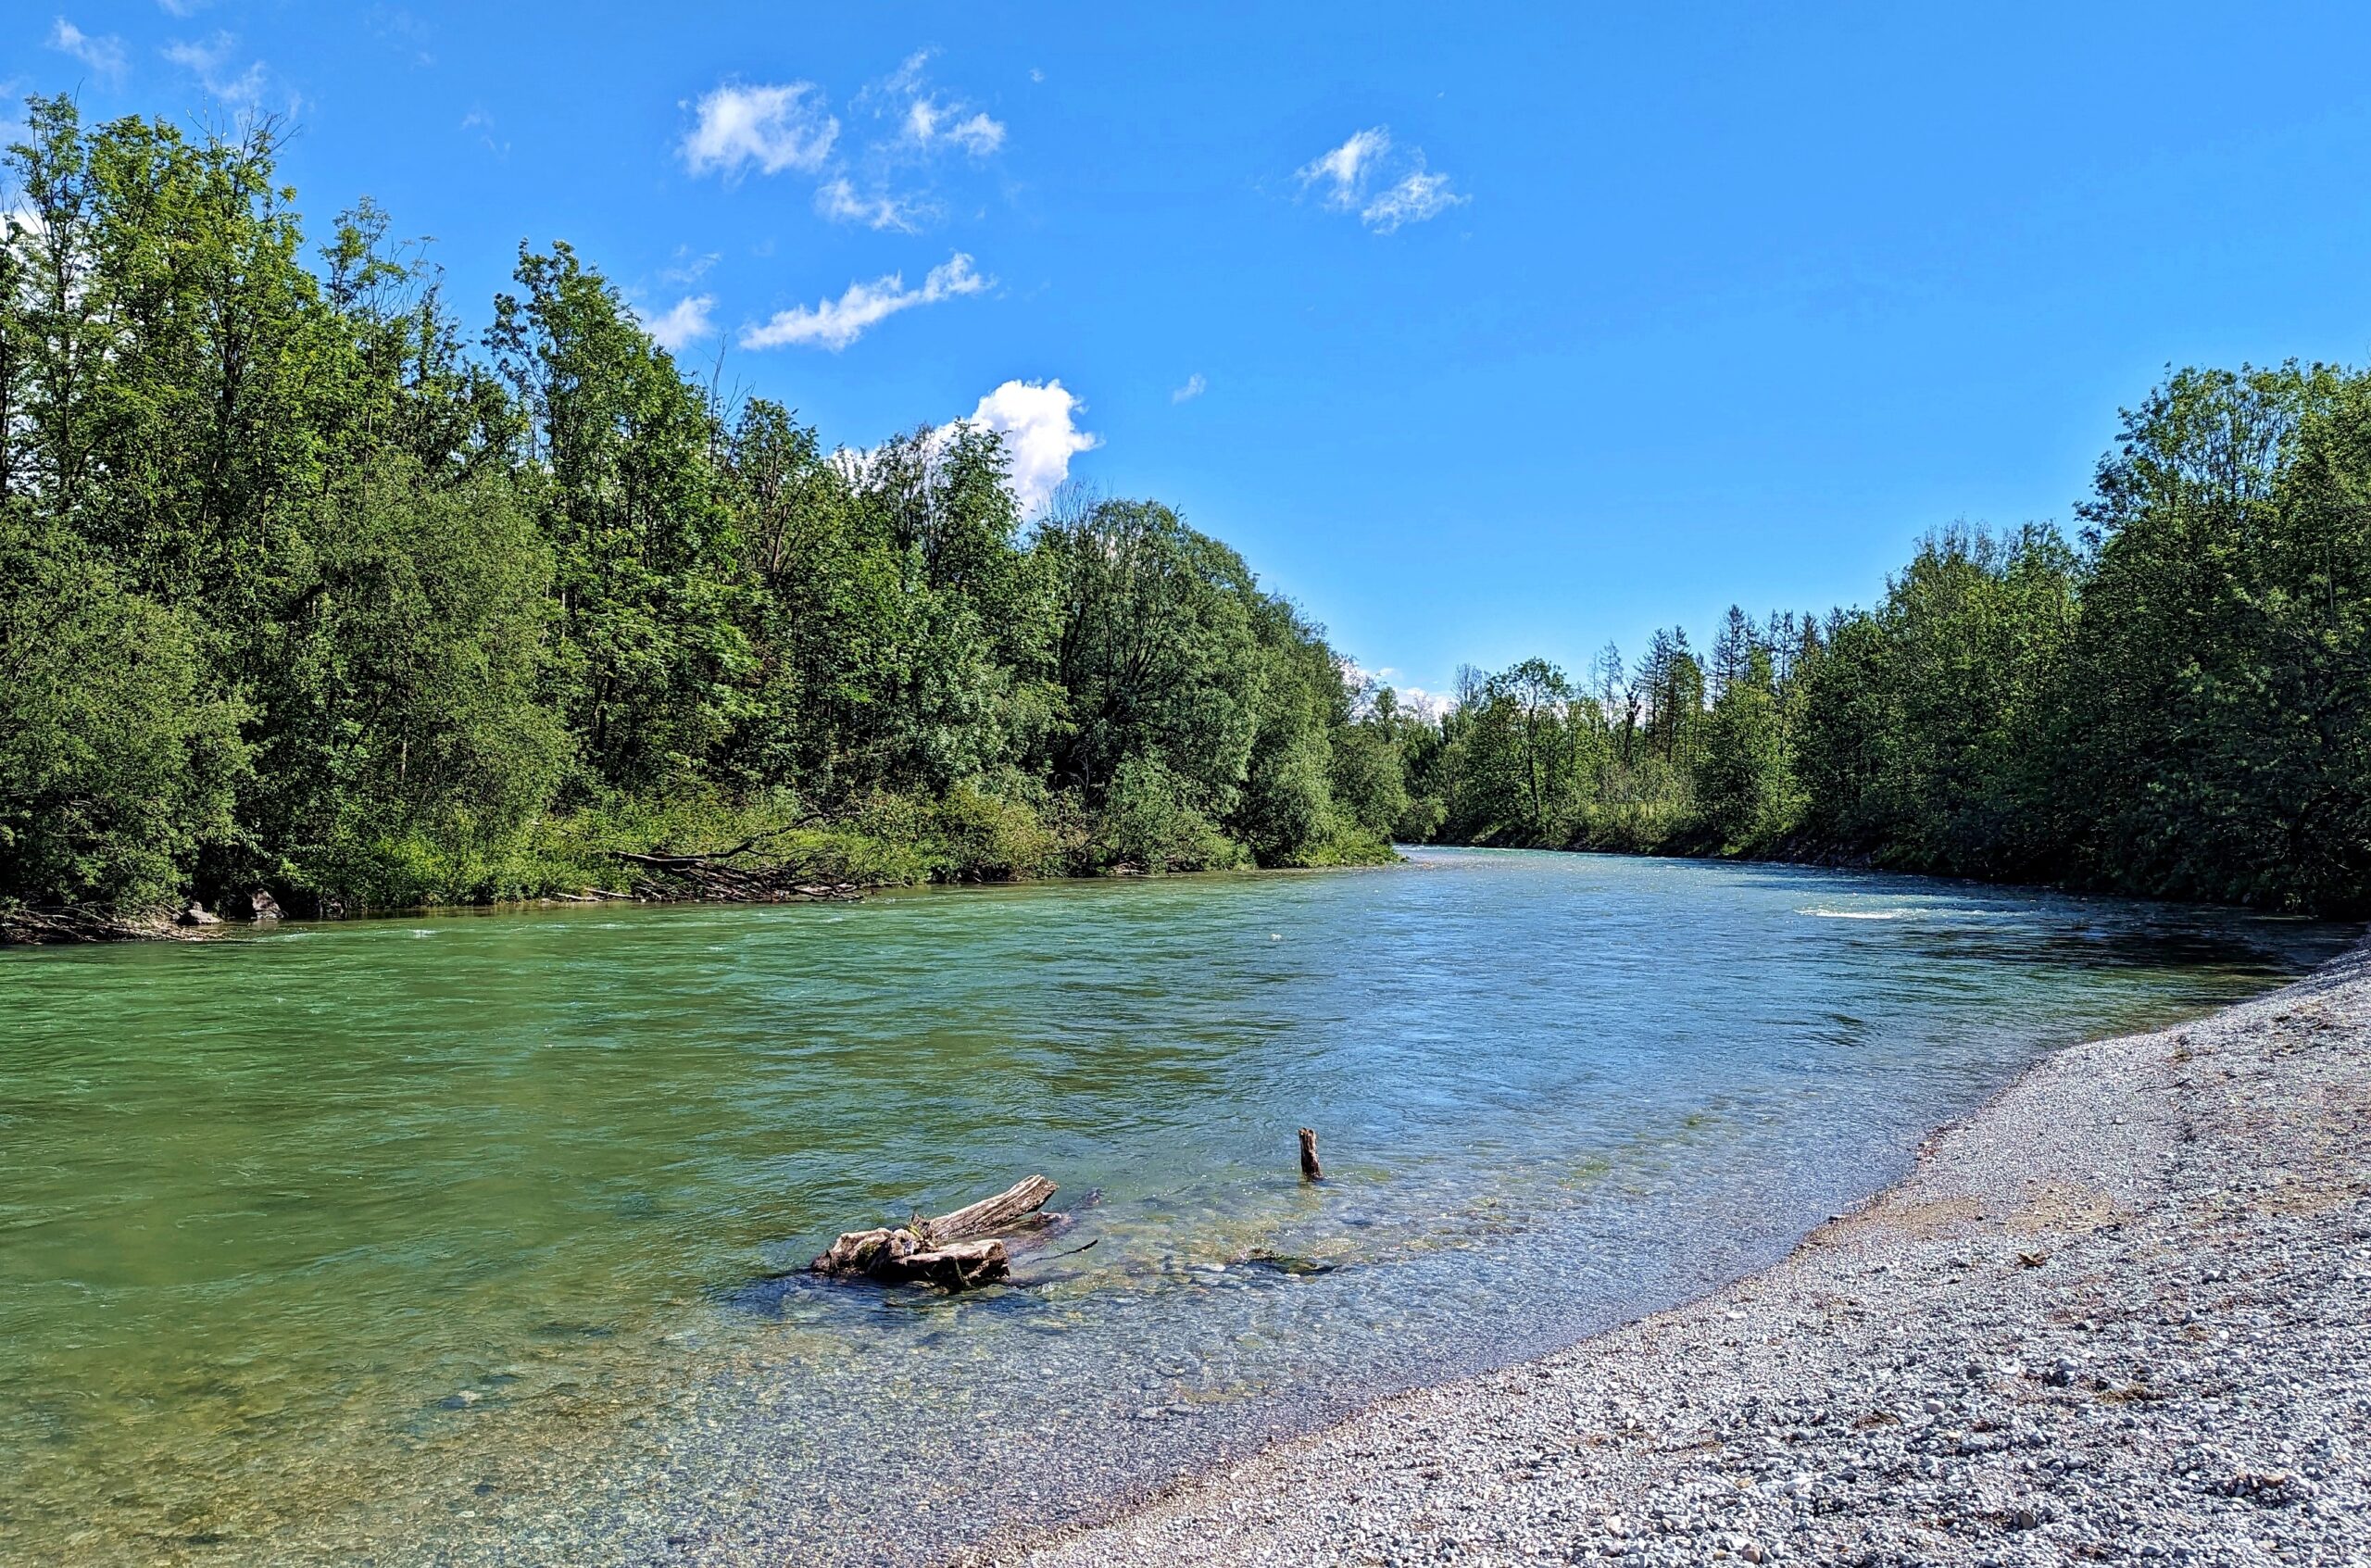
(2124, 1314)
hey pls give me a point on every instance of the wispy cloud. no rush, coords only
(920, 126)
(836, 323)
(883, 184)
(775, 127)
(1387, 189)
(929, 121)
(688, 267)
(181, 7)
(1195, 386)
(1418, 195)
(211, 63)
(685, 323)
(1039, 423)
(101, 54)
(483, 123)
(837, 200)
(1344, 171)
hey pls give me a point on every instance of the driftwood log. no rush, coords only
(955, 1251)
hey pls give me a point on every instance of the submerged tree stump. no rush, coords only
(955, 1251)
(1309, 1169)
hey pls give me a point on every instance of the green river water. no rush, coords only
(473, 1237)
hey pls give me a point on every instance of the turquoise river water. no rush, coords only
(474, 1237)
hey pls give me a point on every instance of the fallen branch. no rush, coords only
(677, 863)
(712, 877)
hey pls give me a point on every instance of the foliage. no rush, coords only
(2180, 707)
(297, 591)
(115, 764)
(2217, 735)
(1922, 737)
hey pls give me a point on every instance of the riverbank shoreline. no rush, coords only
(2114, 1315)
(80, 926)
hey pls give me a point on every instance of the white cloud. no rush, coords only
(211, 63)
(1195, 386)
(1346, 167)
(928, 120)
(837, 200)
(908, 77)
(1417, 196)
(775, 127)
(181, 7)
(1412, 699)
(683, 323)
(104, 54)
(924, 119)
(1425, 705)
(978, 135)
(1386, 192)
(836, 323)
(887, 183)
(1039, 423)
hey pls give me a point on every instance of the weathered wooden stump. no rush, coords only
(955, 1251)
(1309, 1169)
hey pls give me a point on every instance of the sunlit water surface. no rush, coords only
(471, 1237)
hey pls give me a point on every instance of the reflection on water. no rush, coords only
(473, 1238)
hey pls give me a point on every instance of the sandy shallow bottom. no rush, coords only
(2122, 1314)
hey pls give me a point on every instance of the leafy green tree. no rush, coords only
(409, 690)
(1155, 653)
(1670, 680)
(116, 762)
(617, 463)
(1744, 787)
(2216, 738)
(1921, 721)
(1369, 767)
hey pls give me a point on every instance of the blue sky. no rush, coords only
(1481, 330)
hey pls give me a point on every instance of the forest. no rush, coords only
(2176, 703)
(304, 589)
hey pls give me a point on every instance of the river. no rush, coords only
(474, 1236)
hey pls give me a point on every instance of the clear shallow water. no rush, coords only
(464, 1238)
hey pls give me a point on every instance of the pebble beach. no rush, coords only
(2121, 1314)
